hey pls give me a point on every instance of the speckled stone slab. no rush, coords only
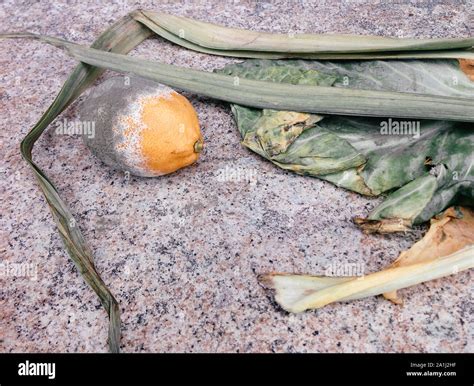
(182, 253)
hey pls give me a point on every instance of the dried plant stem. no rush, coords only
(294, 293)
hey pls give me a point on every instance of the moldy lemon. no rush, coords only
(141, 126)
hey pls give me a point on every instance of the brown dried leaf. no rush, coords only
(467, 66)
(449, 232)
(390, 225)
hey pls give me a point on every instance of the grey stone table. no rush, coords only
(182, 253)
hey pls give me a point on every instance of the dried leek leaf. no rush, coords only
(121, 37)
(218, 40)
(355, 153)
(444, 251)
(280, 96)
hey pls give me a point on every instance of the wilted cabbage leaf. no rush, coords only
(424, 166)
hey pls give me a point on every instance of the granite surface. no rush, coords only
(182, 253)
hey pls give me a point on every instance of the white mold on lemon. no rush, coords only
(142, 127)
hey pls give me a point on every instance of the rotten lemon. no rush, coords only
(141, 127)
